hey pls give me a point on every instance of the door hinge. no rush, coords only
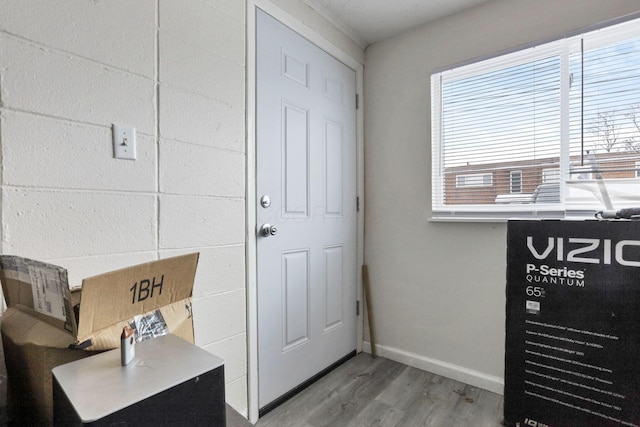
(357, 308)
(357, 204)
(357, 101)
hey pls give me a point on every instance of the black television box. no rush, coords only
(573, 324)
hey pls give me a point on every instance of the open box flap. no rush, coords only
(118, 296)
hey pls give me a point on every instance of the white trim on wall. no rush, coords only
(251, 255)
(439, 367)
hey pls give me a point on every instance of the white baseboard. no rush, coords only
(438, 367)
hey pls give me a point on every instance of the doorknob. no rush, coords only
(268, 230)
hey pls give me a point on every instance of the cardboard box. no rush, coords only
(44, 326)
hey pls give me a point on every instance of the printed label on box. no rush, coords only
(48, 292)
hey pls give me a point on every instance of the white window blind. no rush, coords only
(563, 116)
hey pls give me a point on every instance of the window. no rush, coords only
(475, 180)
(516, 181)
(553, 123)
(550, 175)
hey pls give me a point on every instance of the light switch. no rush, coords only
(124, 142)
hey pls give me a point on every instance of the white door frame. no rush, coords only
(251, 254)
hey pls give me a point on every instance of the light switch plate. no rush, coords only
(124, 142)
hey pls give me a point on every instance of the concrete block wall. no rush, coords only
(174, 70)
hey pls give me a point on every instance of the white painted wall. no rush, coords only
(438, 288)
(176, 71)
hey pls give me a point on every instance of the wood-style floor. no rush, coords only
(379, 392)
(369, 392)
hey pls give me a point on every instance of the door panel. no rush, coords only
(333, 168)
(296, 161)
(334, 287)
(295, 272)
(306, 164)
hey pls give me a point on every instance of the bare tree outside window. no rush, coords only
(617, 131)
(633, 143)
(606, 131)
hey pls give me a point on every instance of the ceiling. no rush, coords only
(369, 21)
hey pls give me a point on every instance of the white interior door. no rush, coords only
(306, 167)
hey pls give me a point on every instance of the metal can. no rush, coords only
(127, 346)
